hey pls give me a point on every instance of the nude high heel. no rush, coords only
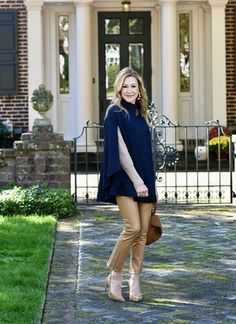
(134, 288)
(113, 284)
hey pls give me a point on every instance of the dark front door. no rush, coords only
(124, 40)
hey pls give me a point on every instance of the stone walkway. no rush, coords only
(60, 304)
(189, 276)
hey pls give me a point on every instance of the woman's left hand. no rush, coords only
(142, 191)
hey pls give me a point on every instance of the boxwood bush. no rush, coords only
(39, 200)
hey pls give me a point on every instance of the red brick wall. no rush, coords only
(230, 65)
(15, 107)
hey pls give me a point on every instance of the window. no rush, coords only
(8, 53)
(63, 44)
(136, 57)
(112, 66)
(136, 26)
(184, 51)
(112, 26)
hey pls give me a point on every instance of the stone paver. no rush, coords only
(60, 304)
(189, 276)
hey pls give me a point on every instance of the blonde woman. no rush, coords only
(127, 178)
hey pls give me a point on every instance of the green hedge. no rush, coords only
(37, 199)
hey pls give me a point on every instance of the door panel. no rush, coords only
(124, 40)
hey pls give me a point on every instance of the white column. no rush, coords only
(218, 60)
(83, 64)
(35, 51)
(169, 60)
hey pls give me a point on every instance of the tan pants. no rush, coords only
(136, 218)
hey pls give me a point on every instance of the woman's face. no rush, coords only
(130, 89)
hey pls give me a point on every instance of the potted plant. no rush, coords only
(219, 142)
(219, 138)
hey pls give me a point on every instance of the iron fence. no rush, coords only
(193, 164)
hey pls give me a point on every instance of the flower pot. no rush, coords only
(200, 153)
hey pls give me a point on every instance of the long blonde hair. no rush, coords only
(120, 78)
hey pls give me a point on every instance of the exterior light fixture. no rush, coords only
(126, 5)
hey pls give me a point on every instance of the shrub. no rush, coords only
(37, 199)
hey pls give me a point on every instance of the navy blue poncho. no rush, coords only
(136, 134)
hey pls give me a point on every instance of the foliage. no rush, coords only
(37, 199)
(223, 141)
(219, 137)
(112, 72)
(25, 253)
(219, 131)
(42, 98)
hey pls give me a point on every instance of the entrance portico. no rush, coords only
(206, 98)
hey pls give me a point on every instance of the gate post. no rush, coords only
(43, 157)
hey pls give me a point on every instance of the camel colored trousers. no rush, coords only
(132, 240)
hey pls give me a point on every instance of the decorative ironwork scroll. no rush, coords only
(164, 155)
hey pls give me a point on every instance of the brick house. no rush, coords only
(231, 63)
(75, 49)
(14, 66)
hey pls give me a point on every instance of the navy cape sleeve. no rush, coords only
(111, 161)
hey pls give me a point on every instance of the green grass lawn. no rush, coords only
(26, 245)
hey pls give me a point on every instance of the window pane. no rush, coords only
(112, 59)
(63, 32)
(135, 26)
(184, 52)
(112, 26)
(136, 54)
(9, 77)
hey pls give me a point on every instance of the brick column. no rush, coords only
(43, 157)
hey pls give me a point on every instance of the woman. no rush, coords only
(127, 178)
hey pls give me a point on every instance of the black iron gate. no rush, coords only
(193, 164)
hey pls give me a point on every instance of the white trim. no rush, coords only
(63, 111)
(95, 66)
(198, 67)
(35, 52)
(169, 60)
(208, 74)
(83, 66)
(218, 60)
(116, 5)
(49, 57)
(156, 57)
(218, 3)
(155, 51)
